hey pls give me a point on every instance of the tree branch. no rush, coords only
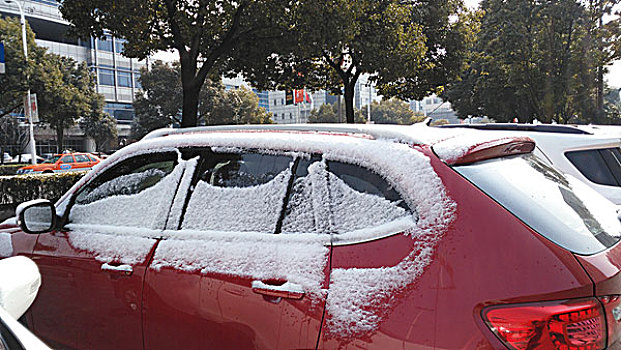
(197, 38)
(178, 41)
(230, 38)
(335, 66)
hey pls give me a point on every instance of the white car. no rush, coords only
(7, 158)
(589, 153)
(26, 158)
(19, 284)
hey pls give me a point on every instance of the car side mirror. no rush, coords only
(21, 280)
(38, 216)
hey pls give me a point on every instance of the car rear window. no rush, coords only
(557, 206)
(601, 166)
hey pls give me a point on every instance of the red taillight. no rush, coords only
(565, 325)
(612, 305)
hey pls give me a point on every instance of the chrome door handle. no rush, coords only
(286, 290)
(124, 268)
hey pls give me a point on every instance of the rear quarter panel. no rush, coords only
(487, 256)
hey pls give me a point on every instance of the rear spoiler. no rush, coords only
(466, 154)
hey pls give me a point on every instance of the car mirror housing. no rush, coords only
(38, 216)
(20, 283)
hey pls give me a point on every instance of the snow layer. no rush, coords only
(148, 209)
(323, 203)
(297, 259)
(308, 211)
(454, 148)
(254, 208)
(113, 244)
(182, 193)
(122, 185)
(352, 210)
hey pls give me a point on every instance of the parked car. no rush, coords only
(26, 158)
(324, 237)
(19, 283)
(589, 153)
(6, 157)
(60, 163)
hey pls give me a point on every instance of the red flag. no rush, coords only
(299, 96)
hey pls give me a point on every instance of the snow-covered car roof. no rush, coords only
(449, 144)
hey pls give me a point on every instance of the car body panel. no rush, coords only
(468, 271)
(555, 147)
(80, 304)
(486, 256)
(605, 270)
(222, 312)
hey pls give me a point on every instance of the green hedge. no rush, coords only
(10, 169)
(22, 188)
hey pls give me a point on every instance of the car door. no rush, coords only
(374, 261)
(82, 162)
(66, 163)
(93, 267)
(233, 274)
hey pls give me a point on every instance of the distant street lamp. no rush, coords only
(27, 110)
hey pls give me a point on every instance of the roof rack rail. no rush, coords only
(561, 129)
(373, 131)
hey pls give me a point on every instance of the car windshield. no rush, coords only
(557, 206)
(53, 159)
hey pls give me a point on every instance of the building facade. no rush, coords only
(364, 94)
(116, 75)
(434, 108)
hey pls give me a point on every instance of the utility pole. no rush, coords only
(27, 109)
(369, 104)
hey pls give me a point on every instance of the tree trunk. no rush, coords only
(189, 116)
(349, 102)
(59, 139)
(191, 89)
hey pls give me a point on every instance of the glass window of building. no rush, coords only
(124, 79)
(137, 84)
(105, 44)
(122, 112)
(119, 44)
(106, 77)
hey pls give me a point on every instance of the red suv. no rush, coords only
(324, 237)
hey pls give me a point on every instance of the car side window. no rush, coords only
(80, 158)
(336, 197)
(136, 192)
(601, 166)
(238, 192)
(67, 159)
